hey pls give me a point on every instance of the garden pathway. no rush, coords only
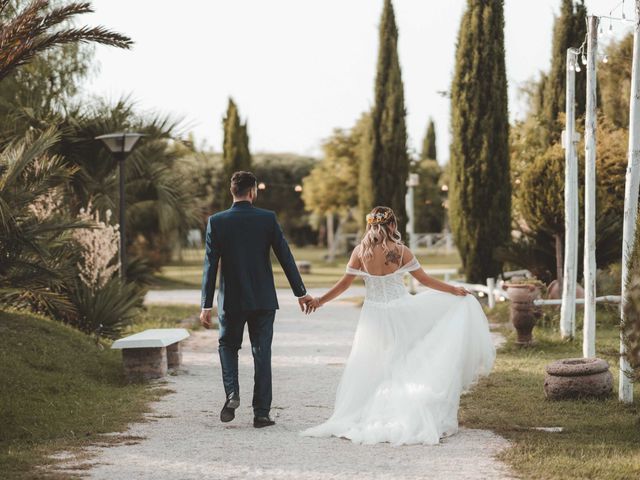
(184, 438)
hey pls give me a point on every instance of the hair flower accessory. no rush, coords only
(378, 218)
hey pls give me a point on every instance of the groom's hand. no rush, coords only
(304, 302)
(205, 318)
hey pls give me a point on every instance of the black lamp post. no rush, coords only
(120, 145)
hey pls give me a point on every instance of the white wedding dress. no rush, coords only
(412, 357)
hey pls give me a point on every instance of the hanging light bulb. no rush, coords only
(610, 28)
(584, 59)
(601, 29)
(578, 68)
(605, 59)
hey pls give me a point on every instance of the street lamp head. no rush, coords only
(121, 142)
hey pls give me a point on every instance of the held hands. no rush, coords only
(313, 305)
(308, 304)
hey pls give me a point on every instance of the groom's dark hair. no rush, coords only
(242, 182)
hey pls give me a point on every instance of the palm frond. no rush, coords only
(31, 32)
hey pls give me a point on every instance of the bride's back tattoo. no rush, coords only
(392, 256)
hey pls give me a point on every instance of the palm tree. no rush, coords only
(37, 27)
(35, 258)
(160, 194)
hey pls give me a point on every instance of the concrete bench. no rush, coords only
(149, 354)
(304, 266)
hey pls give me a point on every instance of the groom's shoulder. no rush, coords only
(264, 212)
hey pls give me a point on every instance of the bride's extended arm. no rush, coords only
(429, 281)
(341, 285)
(338, 289)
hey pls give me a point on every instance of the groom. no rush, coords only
(241, 239)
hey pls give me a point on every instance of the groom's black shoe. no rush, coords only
(261, 422)
(228, 412)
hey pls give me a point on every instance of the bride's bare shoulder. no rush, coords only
(355, 261)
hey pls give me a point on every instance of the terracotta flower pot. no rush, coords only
(522, 310)
(578, 378)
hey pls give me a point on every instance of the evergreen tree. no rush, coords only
(480, 189)
(235, 152)
(384, 172)
(429, 143)
(569, 30)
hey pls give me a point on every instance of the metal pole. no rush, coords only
(568, 308)
(121, 211)
(589, 329)
(625, 387)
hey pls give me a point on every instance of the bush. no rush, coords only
(105, 312)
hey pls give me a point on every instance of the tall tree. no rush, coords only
(387, 168)
(480, 189)
(569, 30)
(235, 151)
(429, 143)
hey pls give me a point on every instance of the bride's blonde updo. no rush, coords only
(382, 227)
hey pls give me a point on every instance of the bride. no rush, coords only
(412, 355)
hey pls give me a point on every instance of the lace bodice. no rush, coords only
(382, 289)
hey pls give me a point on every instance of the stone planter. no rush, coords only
(523, 312)
(578, 378)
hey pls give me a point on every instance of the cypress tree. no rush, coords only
(480, 189)
(235, 152)
(385, 170)
(429, 143)
(569, 30)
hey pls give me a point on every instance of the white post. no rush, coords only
(491, 285)
(330, 238)
(412, 182)
(625, 387)
(589, 330)
(569, 277)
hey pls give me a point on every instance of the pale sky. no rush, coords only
(299, 68)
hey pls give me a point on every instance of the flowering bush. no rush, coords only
(98, 246)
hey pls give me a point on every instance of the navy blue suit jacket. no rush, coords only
(241, 239)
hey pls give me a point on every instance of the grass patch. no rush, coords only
(60, 390)
(600, 438)
(187, 273)
(167, 316)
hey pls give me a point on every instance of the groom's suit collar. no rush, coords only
(242, 204)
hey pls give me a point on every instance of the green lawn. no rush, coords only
(61, 390)
(600, 440)
(188, 272)
(167, 316)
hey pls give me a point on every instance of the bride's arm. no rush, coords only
(341, 285)
(338, 289)
(434, 283)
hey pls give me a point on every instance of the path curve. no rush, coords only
(184, 438)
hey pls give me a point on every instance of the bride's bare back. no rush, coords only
(384, 261)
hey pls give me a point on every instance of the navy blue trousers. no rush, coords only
(260, 323)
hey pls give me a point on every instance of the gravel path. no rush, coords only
(184, 438)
